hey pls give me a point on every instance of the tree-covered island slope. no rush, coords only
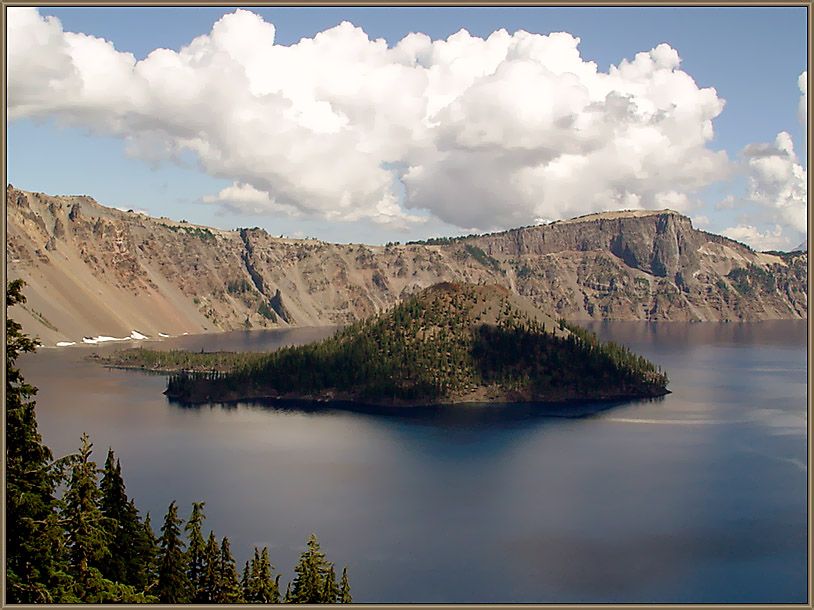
(450, 343)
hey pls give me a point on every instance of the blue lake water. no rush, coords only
(696, 497)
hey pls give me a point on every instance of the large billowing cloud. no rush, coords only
(481, 133)
(777, 181)
(778, 185)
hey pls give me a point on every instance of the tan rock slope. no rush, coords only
(96, 271)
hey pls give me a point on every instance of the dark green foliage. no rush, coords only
(201, 233)
(434, 241)
(440, 241)
(524, 272)
(344, 588)
(228, 591)
(746, 280)
(259, 587)
(33, 537)
(195, 553)
(88, 537)
(484, 259)
(315, 581)
(238, 286)
(174, 360)
(173, 584)
(132, 547)
(211, 570)
(149, 552)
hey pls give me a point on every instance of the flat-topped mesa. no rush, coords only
(656, 242)
(616, 214)
(450, 343)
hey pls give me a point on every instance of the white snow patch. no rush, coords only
(103, 339)
(137, 335)
(163, 335)
(65, 343)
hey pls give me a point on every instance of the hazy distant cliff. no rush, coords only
(93, 270)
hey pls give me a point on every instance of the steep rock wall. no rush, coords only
(93, 270)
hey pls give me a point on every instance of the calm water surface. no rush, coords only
(696, 497)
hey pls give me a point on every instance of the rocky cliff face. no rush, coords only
(93, 270)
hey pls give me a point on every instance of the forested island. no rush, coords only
(450, 343)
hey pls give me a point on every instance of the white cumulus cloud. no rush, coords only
(245, 199)
(482, 133)
(769, 240)
(777, 182)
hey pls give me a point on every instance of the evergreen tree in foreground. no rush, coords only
(88, 536)
(195, 552)
(211, 570)
(258, 585)
(315, 580)
(229, 591)
(131, 547)
(173, 584)
(344, 588)
(34, 555)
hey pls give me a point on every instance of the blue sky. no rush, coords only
(752, 57)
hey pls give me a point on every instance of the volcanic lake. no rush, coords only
(699, 496)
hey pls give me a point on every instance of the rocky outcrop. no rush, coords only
(93, 270)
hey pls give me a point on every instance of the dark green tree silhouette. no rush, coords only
(35, 560)
(131, 547)
(330, 590)
(229, 591)
(88, 538)
(259, 587)
(173, 584)
(88, 529)
(149, 552)
(344, 588)
(312, 572)
(211, 570)
(196, 546)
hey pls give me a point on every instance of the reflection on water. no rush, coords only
(782, 333)
(697, 497)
